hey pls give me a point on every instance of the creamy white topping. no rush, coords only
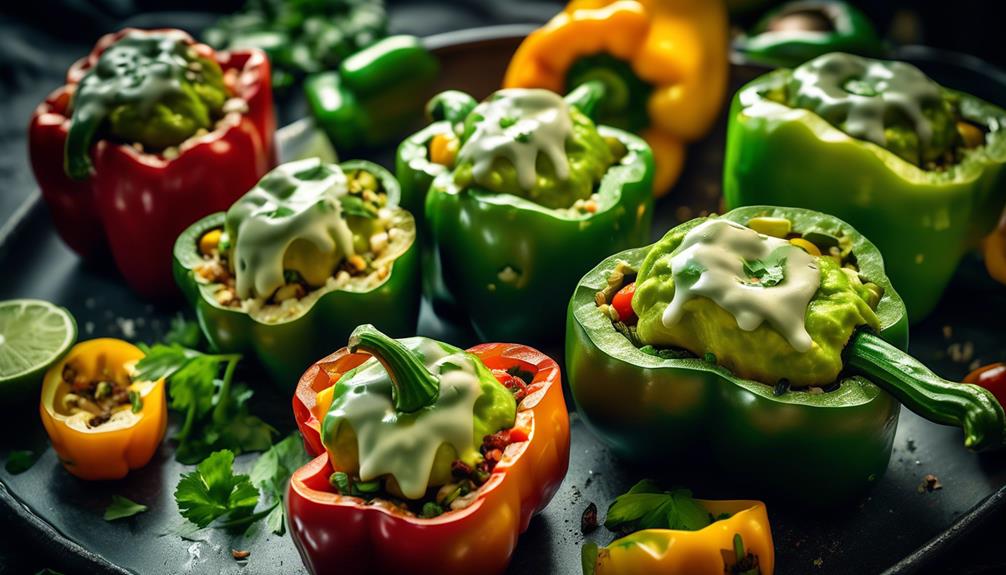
(405, 445)
(518, 124)
(719, 250)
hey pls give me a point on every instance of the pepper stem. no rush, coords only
(77, 152)
(452, 105)
(963, 405)
(588, 96)
(413, 386)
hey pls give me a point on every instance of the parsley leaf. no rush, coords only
(20, 460)
(120, 508)
(646, 506)
(271, 472)
(768, 272)
(213, 491)
(690, 272)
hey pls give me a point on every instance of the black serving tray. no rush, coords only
(895, 527)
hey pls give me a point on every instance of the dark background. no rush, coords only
(40, 39)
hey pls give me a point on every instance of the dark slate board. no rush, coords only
(895, 527)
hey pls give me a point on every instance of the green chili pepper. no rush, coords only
(510, 262)
(373, 94)
(791, 443)
(799, 31)
(924, 195)
(289, 345)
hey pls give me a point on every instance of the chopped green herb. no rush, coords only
(340, 481)
(690, 272)
(646, 506)
(136, 401)
(214, 492)
(709, 357)
(20, 460)
(355, 206)
(768, 272)
(120, 508)
(184, 332)
(506, 122)
(431, 509)
(665, 353)
(272, 471)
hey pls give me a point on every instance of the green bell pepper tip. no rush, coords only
(287, 348)
(789, 445)
(923, 221)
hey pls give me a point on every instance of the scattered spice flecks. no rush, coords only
(930, 483)
(588, 521)
(240, 554)
(948, 332)
(911, 445)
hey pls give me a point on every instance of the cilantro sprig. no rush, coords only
(215, 410)
(647, 506)
(121, 507)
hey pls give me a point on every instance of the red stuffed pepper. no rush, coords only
(151, 132)
(348, 517)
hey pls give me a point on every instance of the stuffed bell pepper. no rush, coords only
(151, 132)
(102, 422)
(429, 459)
(294, 265)
(768, 340)
(795, 32)
(919, 168)
(663, 62)
(671, 532)
(529, 188)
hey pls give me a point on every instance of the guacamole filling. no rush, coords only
(427, 458)
(308, 228)
(531, 144)
(767, 302)
(151, 90)
(93, 396)
(890, 104)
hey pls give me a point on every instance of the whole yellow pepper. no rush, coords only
(128, 439)
(676, 49)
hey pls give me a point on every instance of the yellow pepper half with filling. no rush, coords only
(102, 432)
(663, 62)
(712, 550)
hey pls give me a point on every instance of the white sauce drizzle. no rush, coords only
(720, 248)
(538, 117)
(405, 445)
(279, 211)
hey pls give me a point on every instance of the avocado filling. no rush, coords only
(531, 144)
(767, 302)
(306, 229)
(891, 104)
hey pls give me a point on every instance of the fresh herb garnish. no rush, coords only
(646, 506)
(20, 460)
(214, 492)
(690, 272)
(216, 413)
(770, 271)
(431, 509)
(135, 401)
(347, 486)
(355, 206)
(271, 472)
(507, 121)
(183, 332)
(120, 508)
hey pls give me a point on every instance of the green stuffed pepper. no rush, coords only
(760, 339)
(795, 32)
(530, 190)
(293, 266)
(916, 167)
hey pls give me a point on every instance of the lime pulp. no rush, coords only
(34, 334)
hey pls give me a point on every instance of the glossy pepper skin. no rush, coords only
(699, 552)
(285, 348)
(110, 450)
(508, 264)
(786, 36)
(923, 222)
(373, 94)
(135, 204)
(788, 444)
(680, 83)
(333, 532)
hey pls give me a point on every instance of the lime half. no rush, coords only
(34, 334)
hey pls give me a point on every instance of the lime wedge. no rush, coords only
(34, 334)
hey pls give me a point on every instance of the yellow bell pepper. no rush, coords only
(125, 440)
(708, 551)
(995, 252)
(676, 49)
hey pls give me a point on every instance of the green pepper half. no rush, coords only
(922, 220)
(287, 347)
(509, 263)
(798, 444)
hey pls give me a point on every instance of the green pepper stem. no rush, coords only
(77, 152)
(414, 387)
(960, 404)
(452, 106)
(587, 97)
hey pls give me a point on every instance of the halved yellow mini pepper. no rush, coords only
(995, 252)
(708, 551)
(128, 439)
(664, 63)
